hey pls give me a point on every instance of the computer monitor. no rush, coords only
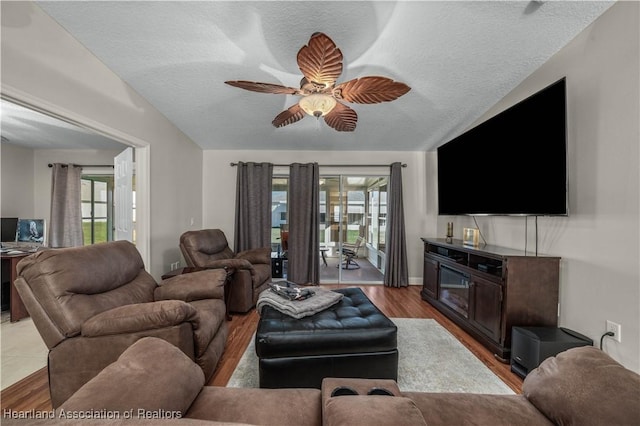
(31, 231)
(8, 227)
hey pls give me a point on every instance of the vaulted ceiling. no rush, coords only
(458, 57)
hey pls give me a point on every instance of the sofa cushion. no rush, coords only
(584, 386)
(445, 409)
(371, 411)
(138, 317)
(300, 407)
(151, 375)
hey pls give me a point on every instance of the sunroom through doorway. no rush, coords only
(353, 213)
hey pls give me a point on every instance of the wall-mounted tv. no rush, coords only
(31, 231)
(515, 163)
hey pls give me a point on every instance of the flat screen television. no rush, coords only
(515, 163)
(31, 231)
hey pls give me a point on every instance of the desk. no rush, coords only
(17, 309)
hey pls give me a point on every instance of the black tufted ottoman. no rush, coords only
(350, 339)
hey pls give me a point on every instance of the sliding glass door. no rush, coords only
(352, 226)
(377, 220)
(279, 211)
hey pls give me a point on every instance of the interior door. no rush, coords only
(123, 195)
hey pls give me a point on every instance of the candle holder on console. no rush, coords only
(449, 238)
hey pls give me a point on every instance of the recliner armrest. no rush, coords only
(207, 284)
(139, 317)
(256, 256)
(228, 263)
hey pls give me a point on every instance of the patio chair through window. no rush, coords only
(350, 253)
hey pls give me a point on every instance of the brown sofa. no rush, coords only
(208, 248)
(91, 303)
(582, 386)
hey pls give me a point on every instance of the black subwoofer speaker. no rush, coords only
(532, 345)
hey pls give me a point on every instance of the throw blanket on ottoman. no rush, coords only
(321, 300)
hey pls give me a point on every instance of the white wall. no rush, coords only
(599, 241)
(44, 66)
(219, 197)
(17, 181)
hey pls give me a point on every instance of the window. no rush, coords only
(97, 208)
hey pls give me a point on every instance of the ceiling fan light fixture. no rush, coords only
(321, 64)
(317, 104)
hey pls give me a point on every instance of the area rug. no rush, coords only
(431, 360)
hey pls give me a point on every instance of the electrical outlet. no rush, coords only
(616, 329)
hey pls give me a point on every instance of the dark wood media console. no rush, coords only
(487, 290)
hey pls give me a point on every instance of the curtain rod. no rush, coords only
(85, 165)
(334, 165)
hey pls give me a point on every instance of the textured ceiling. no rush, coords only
(31, 129)
(459, 58)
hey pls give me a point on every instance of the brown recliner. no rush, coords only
(91, 303)
(208, 248)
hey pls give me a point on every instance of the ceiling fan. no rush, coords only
(321, 64)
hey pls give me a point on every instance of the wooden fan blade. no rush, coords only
(263, 87)
(342, 118)
(370, 90)
(320, 61)
(289, 116)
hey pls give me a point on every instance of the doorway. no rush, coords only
(352, 228)
(26, 117)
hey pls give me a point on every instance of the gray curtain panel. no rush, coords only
(304, 212)
(253, 206)
(65, 224)
(396, 272)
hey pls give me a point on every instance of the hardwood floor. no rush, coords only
(32, 393)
